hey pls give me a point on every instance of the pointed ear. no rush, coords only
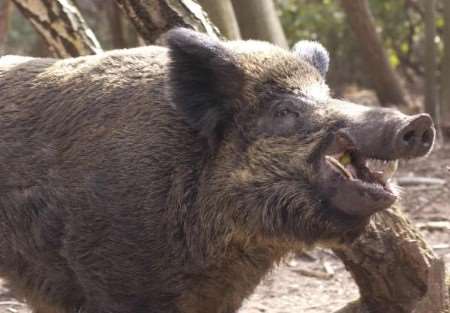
(314, 53)
(204, 79)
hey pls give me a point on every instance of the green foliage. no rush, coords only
(402, 29)
(315, 20)
(323, 21)
(399, 24)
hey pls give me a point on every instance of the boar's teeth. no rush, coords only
(338, 166)
(383, 170)
(375, 165)
(390, 170)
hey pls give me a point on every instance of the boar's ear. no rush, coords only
(203, 80)
(314, 53)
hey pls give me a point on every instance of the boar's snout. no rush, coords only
(358, 166)
(414, 138)
(388, 134)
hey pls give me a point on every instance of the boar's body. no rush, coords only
(100, 177)
(171, 180)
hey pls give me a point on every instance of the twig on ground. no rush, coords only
(12, 302)
(424, 188)
(305, 256)
(315, 274)
(438, 218)
(419, 180)
(441, 246)
(437, 225)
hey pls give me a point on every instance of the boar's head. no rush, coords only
(286, 162)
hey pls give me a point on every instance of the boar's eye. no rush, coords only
(283, 112)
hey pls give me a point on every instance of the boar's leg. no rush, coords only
(395, 270)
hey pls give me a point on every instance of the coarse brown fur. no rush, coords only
(155, 180)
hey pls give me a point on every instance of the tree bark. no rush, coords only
(445, 73)
(5, 13)
(258, 19)
(384, 79)
(431, 97)
(395, 270)
(152, 18)
(222, 14)
(117, 27)
(61, 26)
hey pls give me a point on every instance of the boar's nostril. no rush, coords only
(427, 138)
(415, 138)
(409, 137)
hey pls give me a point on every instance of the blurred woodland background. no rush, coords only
(383, 53)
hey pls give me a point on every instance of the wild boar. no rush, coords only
(173, 179)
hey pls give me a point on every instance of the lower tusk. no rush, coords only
(336, 164)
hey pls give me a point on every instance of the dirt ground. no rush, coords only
(289, 288)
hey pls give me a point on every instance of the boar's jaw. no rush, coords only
(356, 189)
(353, 183)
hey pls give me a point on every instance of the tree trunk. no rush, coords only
(152, 18)
(395, 270)
(385, 82)
(222, 14)
(116, 27)
(61, 26)
(431, 98)
(5, 13)
(258, 19)
(445, 74)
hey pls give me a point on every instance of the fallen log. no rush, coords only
(395, 269)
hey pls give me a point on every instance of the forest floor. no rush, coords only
(317, 282)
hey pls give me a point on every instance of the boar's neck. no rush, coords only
(223, 266)
(222, 287)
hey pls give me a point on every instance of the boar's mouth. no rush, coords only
(356, 184)
(354, 167)
(363, 185)
(357, 165)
